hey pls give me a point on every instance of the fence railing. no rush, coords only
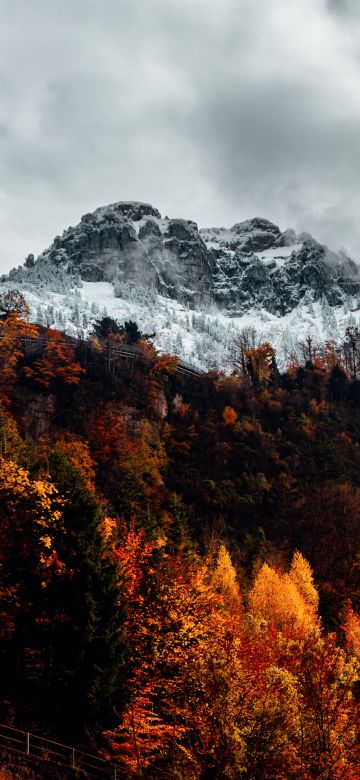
(38, 747)
(126, 351)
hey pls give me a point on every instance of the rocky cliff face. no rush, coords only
(258, 265)
(252, 264)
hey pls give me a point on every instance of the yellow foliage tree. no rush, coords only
(329, 746)
(225, 580)
(352, 632)
(25, 500)
(301, 576)
(285, 599)
(211, 693)
(11, 444)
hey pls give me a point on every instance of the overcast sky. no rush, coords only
(215, 110)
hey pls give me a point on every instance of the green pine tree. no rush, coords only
(89, 648)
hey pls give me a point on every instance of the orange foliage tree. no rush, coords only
(14, 331)
(186, 667)
(259, 361)
(131, 457)
(223, 693)
(57, 363)
(78, 452)
(229, 416)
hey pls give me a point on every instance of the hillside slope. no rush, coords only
(159, 534)
(195, 289)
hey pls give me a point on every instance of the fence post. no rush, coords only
(115, 772)
(73, 758)
(28, 743)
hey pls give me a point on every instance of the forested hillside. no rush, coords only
(179, 554)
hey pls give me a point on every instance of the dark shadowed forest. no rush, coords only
(179, 555)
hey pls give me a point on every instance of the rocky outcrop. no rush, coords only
(150, 228)
(39, 415)
(254, 235)
(190, 263)
(132, 209)
(252, 264)
(278, 281)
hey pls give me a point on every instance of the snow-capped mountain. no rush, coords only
(197, 289)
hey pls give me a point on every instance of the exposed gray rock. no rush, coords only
(254, 235)
(183, 229)
(287, 238)
(255, 275)
(253, 264)
(91, 272)
(150, 228)
(133, 210)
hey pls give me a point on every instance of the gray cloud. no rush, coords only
(213, 109)
(347, 7)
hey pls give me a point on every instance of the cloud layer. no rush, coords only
(213, 109)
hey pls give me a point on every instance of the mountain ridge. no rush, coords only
(127, 256)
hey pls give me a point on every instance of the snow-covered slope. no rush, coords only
(197, 290)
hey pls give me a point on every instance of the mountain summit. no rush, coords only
(126, 255)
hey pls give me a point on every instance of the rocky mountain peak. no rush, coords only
(132, 209)
(252, 264)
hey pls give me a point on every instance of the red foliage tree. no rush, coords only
(57, 363)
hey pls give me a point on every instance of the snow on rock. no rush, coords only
(196, 289)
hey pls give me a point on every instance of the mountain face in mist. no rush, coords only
(196, 289)
(251, 264)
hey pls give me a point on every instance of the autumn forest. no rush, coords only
(179, 553)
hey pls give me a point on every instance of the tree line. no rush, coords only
(179, 565)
